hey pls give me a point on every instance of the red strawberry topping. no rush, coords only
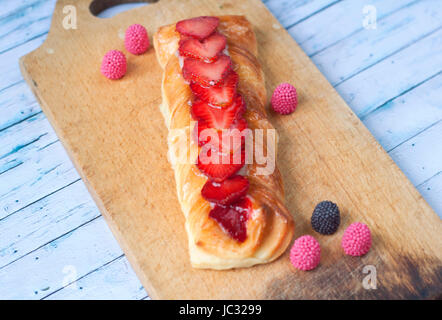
(224, 140)
(226, 192)
(218, 108)
(206, 74)
(199, 27)
(221, 94)
(207, 50)
(233, 218)
(219, 166)
(217, 117)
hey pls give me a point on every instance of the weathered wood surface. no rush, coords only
(42, 199)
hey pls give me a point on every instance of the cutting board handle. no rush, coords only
(88, 9)
(97, 6)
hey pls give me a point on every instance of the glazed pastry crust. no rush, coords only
(270, 226)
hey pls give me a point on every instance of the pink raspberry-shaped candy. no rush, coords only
(305, 253)
(114, 64)
(356, 240)
(284, 99)
(136, 40)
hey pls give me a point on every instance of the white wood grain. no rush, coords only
(40, 164)
(366, 47)
(15, 27)
(290, 12)
(431, 190)
(420, 157)
(60, 262)
(387, 79)
(115, 280)
(44, 221)
(16, 104)
(407, 115)
(16, 138)
(338, 21)
(9, 62)
(11, 8)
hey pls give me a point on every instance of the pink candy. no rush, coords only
(284, 99)
(136, 40)
(356, 240)
(113, 65)
(305, 253)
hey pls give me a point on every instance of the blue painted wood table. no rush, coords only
(383, 56)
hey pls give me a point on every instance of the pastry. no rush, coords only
(213, 93)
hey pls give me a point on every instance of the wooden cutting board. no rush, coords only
(116, 137)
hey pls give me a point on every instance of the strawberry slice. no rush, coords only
(233, 218)
(207, 50)
(224, 140)
(199, 27)
(221, 95)
(219, 166)
(206, 74)
(217, 117)
(226, 192)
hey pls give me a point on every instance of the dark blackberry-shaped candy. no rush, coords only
(326, 218)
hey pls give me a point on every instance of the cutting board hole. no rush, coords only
(109, 8)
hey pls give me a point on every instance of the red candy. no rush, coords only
(356, 240)
(305, 253)
(136, 40)
(113, 65)
(284, 99)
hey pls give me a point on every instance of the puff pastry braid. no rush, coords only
(269, 226)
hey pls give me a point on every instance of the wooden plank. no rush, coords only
(407, 115)
(33, 226)
(371, 182)
(25, 24)
(394, 75)
(10, 71)
(16, 104)
(24, 134)
(115, 280)
(431, 191)
(367, 47)
(341, 20)
(14, 8)
(40, 165)
(290, 12)
(60, 262)
(420, 157)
